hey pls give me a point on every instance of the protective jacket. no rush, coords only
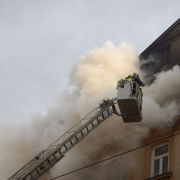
(129, 78)
(137, 79)
(122, 81)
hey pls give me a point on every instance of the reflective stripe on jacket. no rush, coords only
(129, 77)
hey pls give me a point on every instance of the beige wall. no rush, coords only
(141, 169)
(137, 172)
(176, 157)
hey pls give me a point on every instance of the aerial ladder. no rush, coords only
(130, 107)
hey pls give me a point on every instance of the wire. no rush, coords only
(115, 156)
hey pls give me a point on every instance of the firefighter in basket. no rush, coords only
(135, 79)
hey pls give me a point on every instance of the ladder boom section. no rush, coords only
(56, 151)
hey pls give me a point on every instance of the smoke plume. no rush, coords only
(94, 77)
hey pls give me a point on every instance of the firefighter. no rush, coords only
(129, 77)
(121, 82)
(136, 80)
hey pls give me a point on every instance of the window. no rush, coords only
(160, 158)
(148, 66)
(164, 56)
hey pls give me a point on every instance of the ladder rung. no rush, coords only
(65, 146)
(82, 133)
(71, 143)
(103, 115)
(97, 120)
(87, 129)
(76, 138)
(48, 161)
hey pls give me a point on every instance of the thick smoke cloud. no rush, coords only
(93, 77)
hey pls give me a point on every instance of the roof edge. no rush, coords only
(160, 36)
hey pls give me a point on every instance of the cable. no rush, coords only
(115, 156)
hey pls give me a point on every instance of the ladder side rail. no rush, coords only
(81, 128)
(86, 124)
(47, 149)
(44, 166)
(73, 127)
(30, 169)
(87, 132)
(34, 160)
(84, 135)
(22, 170)
(60, 146)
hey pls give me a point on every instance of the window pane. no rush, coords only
(156, 167)
(161, 150)
(165, 165)
(160, 60)
(164, 56)
(168, 55)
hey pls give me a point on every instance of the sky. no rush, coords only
(41, 40)
(44, 43)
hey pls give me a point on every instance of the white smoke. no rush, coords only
(95, 76)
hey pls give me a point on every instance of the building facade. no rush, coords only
(160, 159)
(165, 50)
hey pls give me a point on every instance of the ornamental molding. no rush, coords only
(176, 30)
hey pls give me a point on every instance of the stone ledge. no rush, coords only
(165, 176)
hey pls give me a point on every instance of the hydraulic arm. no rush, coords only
(56, 151)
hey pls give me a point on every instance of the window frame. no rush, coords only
(160, 157)
(164, 56)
